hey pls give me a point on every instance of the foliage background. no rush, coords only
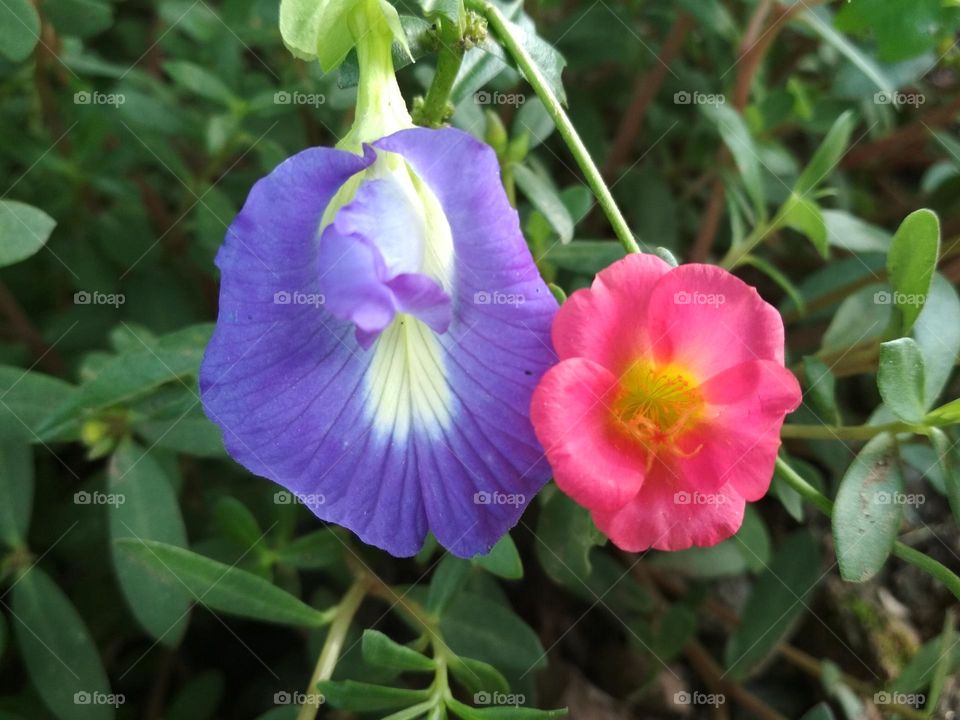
(136, 129)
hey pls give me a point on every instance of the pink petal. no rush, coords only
(707, 320)
(592, 462)
(739, 442)
(666, 516)
(606, 322)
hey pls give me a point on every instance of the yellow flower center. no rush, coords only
(656, 405)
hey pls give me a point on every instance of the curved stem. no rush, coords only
(901, 550)
(847, 432)
(336, 636)
(434, 110)
(556, 112)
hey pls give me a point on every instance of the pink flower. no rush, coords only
(663, 417)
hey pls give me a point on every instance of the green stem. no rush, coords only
(434, 111)
(555, 110)
(336, 636)
(848, 432)
(901, 550)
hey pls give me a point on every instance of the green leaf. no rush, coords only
(867, 511)
(586, 257)
(736, 136)
(820, 711)
(365, 697)
(774, 273)
(26, 399)
(220, 587)
(477, 676)
(903, 28)
(450, 9)
(853, 234)
(900, 379)
(948, 414)
(821, 388)
(318, 549)
(503, 712)
(199, 81)
(380, 650)
(565, 536)
(476, 627)
(779, 597)
(819, 20)
(237, 523)
(19, 32)
(24, 229)
(805, 216)
(911, 263)
(447, 582)
(937, 332)
(545, 199)
(79, 18)
(16, 492)
(135, 373)
(198, 699)
(947, 462)
(148, 511)
(57, 649)
(503, 560)
(827, 156)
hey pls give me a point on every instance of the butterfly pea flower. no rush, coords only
(381, 329)
(663, 415)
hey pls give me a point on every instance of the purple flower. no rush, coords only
(382, 327)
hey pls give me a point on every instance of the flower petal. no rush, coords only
(494, 353)
(665, 516)
(606, 321)
(592, 463)
(739, 443)
(707, 320)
